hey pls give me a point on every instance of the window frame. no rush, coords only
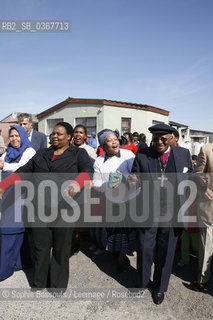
(89, 128)
(47, 124)
(126, 128)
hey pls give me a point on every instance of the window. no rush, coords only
(125, 125)
(89, 123)
(154, 122)
(51, 124)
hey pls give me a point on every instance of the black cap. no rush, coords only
(162, 128)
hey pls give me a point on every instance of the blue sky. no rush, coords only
(156, 52)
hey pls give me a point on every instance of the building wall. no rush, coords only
(153, 116)
(72, 111)
(5, 126)
(202, 133)
(141, 120)
(12, 120)
(107, 117)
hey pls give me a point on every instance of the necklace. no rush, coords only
(163, 177)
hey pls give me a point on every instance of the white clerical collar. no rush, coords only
(168, 150)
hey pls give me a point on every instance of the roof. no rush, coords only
(14, 116)
(179, 125)
(11, 115)
(201, 131)
(103, 102)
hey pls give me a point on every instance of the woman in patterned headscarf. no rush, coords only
(110, 170)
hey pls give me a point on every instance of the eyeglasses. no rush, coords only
(163, 139)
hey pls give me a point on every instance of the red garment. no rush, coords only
(82, 179)
(192, 230)
(132, 147)
(10, 181)
(164, 156)
(100, 151)
(53, 158)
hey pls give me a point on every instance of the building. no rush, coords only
(11, 120)
(192, 139)
(97, 114)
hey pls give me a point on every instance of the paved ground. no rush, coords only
(96, 275)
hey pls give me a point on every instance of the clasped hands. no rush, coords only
(72, 189)
(118, 177)
(208, 195)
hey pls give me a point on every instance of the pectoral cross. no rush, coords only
(162, 178)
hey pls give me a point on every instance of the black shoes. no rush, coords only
(157, 297)
(120, 268)
(199, 287)
(35, 289)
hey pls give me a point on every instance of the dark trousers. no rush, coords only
(156, 245)
(51, 267)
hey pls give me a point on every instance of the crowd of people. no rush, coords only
(104, 164)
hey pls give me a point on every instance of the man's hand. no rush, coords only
(1, 193)
(72, 190)
(1, 164)
(132, 179)
(208, 194)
